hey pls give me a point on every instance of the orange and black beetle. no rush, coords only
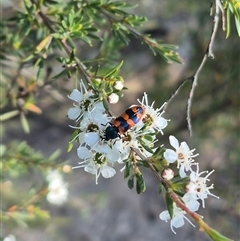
(124, 122)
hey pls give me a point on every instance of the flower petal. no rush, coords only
(161, 122)
(182, 172)
(185, 146)
(174, 142)
(83, 153)
(164, 215)
(91, 169)
(76, 95)
(91, 138)
(177, 221)
(73, 113)
(107, 172)
(170, 155)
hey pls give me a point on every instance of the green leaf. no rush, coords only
(40, 69)
(77, 21)
(159, 151)
(140, 185)
(69, 74)
(25, 28)
(72, 56)
(70, 146)
(215, 235)
(44, 43)
(160, 188)
(55, 155)
(146, 147)
(95, 37)
(37, 62)
(114, 70)
(87, 40)
(237, 23)
(64, 24)
(77, 34)
(57, 35)
(53, 2)
(228, 25)
(59, 75)
(9, 115)
(61, 60)
(24, 123)
(121, 35)
(91, 29)
(127, 169)
(131, 182)
(169, 203)
(28, 58)
(71, 17)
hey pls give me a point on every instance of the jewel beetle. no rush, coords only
(124, 122)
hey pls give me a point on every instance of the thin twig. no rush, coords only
(208, 53)
(175, 198)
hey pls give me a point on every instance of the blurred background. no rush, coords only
(110, 211)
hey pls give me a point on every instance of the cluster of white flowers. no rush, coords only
(57, 188)
(197, 187)
(97, 154)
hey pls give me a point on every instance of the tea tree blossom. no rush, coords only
(182, 154)
(96, 161)
(153, 116)
(58, 192)
(83, 101)
(136, 148)
(197, 185)
(10, 237)
(178, 218)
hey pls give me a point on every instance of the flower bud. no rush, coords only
(113, 98)
(118, 85)
(167, 174)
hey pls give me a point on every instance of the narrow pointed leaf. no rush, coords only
(9, 115)
(24, 123)
(33, 108)
(44, 43)
(169, 203)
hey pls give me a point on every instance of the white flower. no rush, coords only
(92, 127)
(83, 102)
(84, 153)
(157, 122)
(98, 160)
(132, 141)
(198, 186)
(113, 98)
(177, 220)
(118, 85)
(92, 119)
(10, 237)
(182, 154)
(58, 191)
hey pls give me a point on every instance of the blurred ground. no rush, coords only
(112, 212)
